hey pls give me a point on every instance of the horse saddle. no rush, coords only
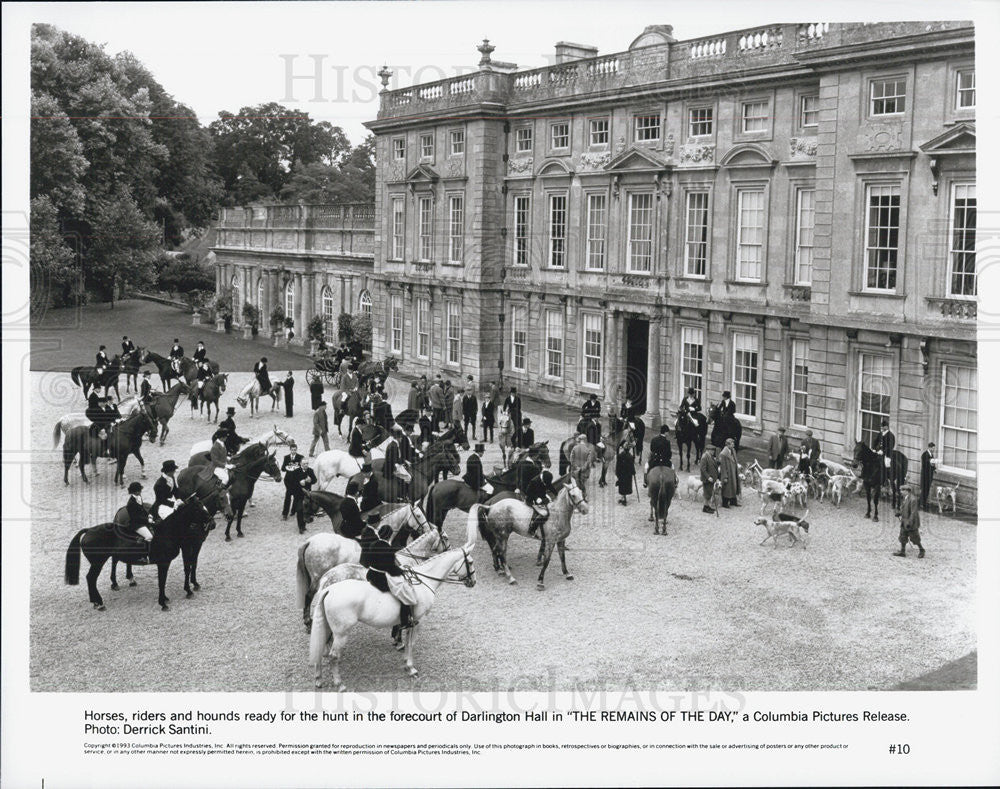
(377, 579)
(130, 546)
(541, 510)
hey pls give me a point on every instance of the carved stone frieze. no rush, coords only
(519, 166)
(697, 153)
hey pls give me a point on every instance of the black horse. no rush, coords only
(182, 532)
(165, 368)
(532, 462)
(691, 430)
(248, 465)
(874, 475)
(724, 426)
(83, 442)
(130, 367)
(126, 439)
(87, 377)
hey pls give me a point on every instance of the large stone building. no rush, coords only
(310, 259)
(787, 212)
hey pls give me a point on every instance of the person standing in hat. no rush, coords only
(370, 498)
(165, 491)
(812, 449)
(456, 414)
(474, 477)
(351, 523)
(909, 522)
(470, 410)
(321, 429)
(127, 346)
(176, 355)
(777, 448)
(138, 518)
(928, 463)
(527, 433)
(729, 473)
(624, 470)
(288, 384)
(200, 354)
(709, 470)
(436, 398)
(102, 362)
(298, 480)
(292, 460)
(489, 410)
(512, 407)
(315, 393)
(884, 443)
(414, 399)
(393, 467)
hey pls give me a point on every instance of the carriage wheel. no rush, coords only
(313, 376)
(328, 377)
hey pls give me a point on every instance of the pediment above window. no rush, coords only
(422, 174)
(748, 155)
(635, 160)
(960, 139)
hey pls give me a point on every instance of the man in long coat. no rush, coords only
(884, 444)
(321, 429)
(709, 469)
(436, 396)
(927, 463)
(659, 452)
(351, 524)
(777, 448)
(512, 406)
(291, 460)
(729, 473)
(470, 410)
(288, 384)
(909, 522)
(624, 471)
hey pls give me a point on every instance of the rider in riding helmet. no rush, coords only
(370, 497)
(351, 524)
(127, 346)
(146, 389)
(627, 413)
(527, 433)
(138, 518)
(200, 354)
(263, 378)
(591, 408)
(538, 493)
(204, 373)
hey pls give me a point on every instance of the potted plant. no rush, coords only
(251, 315)
(344, 327)
(315, 331)
(277, 322)
(361, 330)
(223, 313)
(289, 330)
(193, 299)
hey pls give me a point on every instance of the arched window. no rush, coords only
(329, 319)
(365, 303)
(234, 287)
(290, 301)
(260, 295)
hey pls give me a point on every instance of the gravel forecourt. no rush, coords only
(703, 608)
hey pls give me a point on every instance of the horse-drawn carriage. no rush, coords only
(326, 367)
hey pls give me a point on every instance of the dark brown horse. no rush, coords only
(163, 406)
(248, 465)
(874, 475)
(440, 456)
(125, 439)
(165, 368)
(209, 395)
(87, 377)
(85, 443)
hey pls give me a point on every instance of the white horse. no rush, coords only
(324, 553)
(271, 439)
(335, 463)
(339, 607)
(126, 408)
(251, 394)
(513, 515)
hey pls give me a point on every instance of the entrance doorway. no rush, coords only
(636, 362)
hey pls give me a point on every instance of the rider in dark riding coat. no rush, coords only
(200, 354)
(145, 389)
(233, 440)
(691, 404)
(351, 524)
(538, 493)
(176, 355)
(102, 361)
(127, 346)
(727, 407)
(659, 452)
(380, 557)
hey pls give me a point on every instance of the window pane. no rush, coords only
(640, 232)
(456, 229)
(454, 332)
(750, 232)
(883, 237)
(755, 116)
(423, 328)
(692, 359)
(875, 395)
(522, 215)
(593, 348)
(397, 227)
(599, 131)
(959, 417)
(596, 230)
(557, 231)
(800, 381)
(553, 343)
(519, 337)
(425, 230)
(805, 227)
(745, 373)
(963, 240)
(696, 235)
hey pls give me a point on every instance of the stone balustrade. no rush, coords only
(340, 229)
(955, 309)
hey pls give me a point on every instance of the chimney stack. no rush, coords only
(567, 52)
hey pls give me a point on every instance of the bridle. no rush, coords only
(468, 579)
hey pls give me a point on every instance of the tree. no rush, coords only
(55, 268)
(181, 274)
(352, 180)
(124, 246)
(258, 148)
(361, 329)
(57, 160)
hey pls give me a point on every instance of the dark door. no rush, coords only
(636, 361)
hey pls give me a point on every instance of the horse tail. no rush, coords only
(302, 580)
(72, 573)
(482, 518)
(320, 632)
(428, 502)
(75, 375)
(56, 435)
